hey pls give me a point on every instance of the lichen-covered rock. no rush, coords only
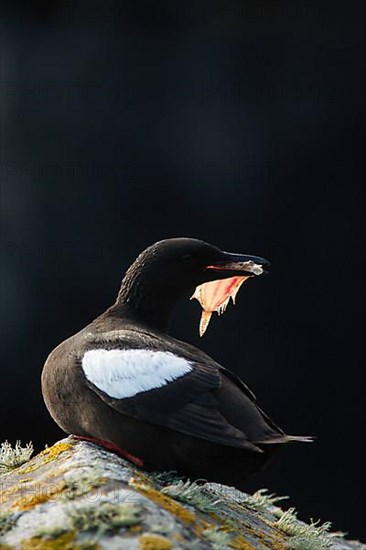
(77, 496)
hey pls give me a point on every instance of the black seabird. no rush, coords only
(162, 403)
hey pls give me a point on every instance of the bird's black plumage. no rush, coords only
(202, 422)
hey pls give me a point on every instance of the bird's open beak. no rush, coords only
(228, 274)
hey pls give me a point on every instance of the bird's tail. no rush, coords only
(286, 439)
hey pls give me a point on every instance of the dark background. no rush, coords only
(236, 122)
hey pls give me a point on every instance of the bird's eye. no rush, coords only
(187, 258)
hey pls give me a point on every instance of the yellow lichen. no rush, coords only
(150, 541)
(55, 450)
(46, 456)
(9, 492)
(27, 502)
(239, 543)
(66, 541)
(140, 477)
(135, 529)
(26, 485)
(198, 524)
(164, 501)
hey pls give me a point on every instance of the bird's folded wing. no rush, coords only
(202, 419)
(162, 388)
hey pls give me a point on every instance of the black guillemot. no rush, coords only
(123, 382)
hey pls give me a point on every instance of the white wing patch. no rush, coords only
(125, 373)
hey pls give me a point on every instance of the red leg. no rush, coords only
(112, 447)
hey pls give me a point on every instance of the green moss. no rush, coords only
(217, 538)
(162, 528)
(193, 545)
(192, 494)
(107, 517)
(164, 501)
(53, 532)
(261, 500)
(13, 457)
(166, 478)
(80, 485)
(302, 536)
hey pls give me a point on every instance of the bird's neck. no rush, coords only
(153, 317)
(144, 305)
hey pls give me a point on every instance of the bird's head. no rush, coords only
(169, 269)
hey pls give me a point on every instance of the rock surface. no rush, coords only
(77, 496)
